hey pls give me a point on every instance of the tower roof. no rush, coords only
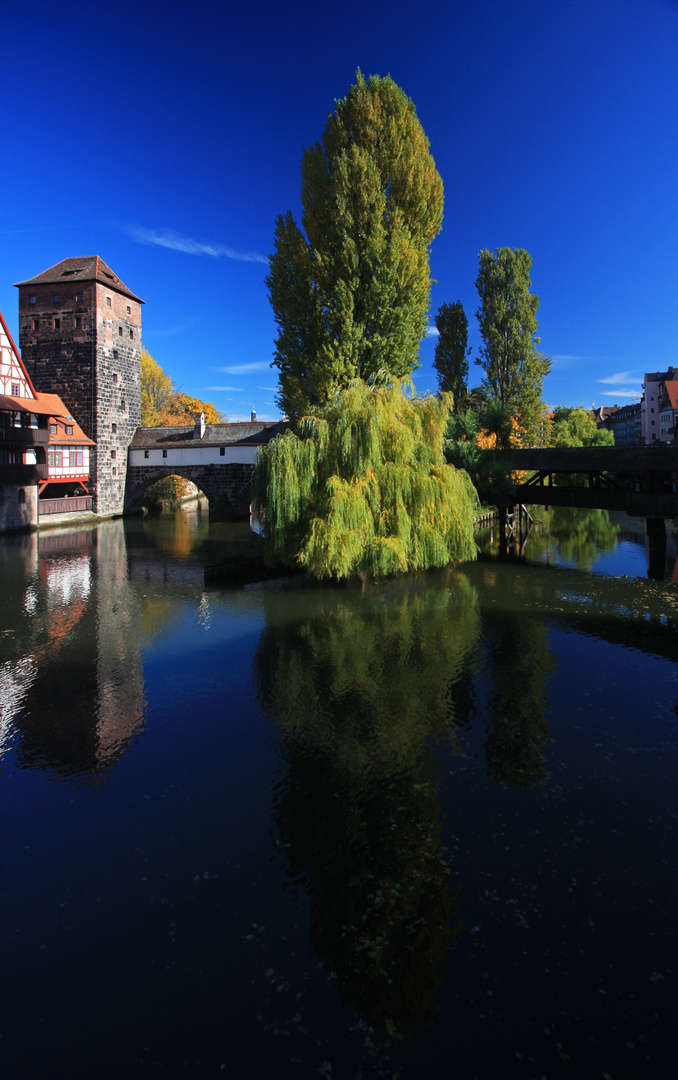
(86, 268)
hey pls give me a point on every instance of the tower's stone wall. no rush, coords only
(82, 340)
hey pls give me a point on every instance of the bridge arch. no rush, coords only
(227, 488)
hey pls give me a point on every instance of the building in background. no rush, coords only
(653, 389)
(80, 338)
(668, 411)
(624, 423)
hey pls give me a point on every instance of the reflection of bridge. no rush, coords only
(639, 480)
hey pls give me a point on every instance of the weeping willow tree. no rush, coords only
(363, 487)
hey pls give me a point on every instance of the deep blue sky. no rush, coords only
(554, 127)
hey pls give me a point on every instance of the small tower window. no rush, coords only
(114, 428)
(113, 454)
(69, 429)
(131, 332)
(120, 331)
(115, 374)
(122, 405)
(108, 301)
(222, 451)
(129, 310)
(78, 298)
(57, 324)
(57, 298)
(164, 453)
(78, 322)
(145, 453)
(115, 471)
(31, 299)
(35, 324)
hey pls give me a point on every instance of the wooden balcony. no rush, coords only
(76, 504)
(22, 474)
(19, 436)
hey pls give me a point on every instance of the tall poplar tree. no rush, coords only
(514, 368)
(350, 289)
(452, 352)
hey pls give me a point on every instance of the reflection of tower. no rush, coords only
(80, 337)
(78, 654)
(120, 684)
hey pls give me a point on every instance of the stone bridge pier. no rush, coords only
(227, 487)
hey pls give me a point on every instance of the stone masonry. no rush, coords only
(80, 338)
(227, 487)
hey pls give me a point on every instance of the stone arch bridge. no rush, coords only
(219, 459)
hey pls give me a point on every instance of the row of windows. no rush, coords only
(222, 451)
(59, 458)
(53, 429)
(78, 299)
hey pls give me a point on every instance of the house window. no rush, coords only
(108, 301)
(145, 453)
(164, 453)
(15, 389)
(222, 451)
(69, 429)
(78, 297)
(50, 458)
(78, 322)
(120, 331)
(52, 429)
(57, 298)
(114, 428)
(31, 299)
(75, 457)
(59, 458)
(113, 454)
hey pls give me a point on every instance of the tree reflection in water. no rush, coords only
(358, 685)
(581, 535)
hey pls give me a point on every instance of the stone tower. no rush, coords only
(80, 338)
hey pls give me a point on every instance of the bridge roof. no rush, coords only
(581, 459)
(248, 433)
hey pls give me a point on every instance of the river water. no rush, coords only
(420, 828)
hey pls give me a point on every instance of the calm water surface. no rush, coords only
(422, 828)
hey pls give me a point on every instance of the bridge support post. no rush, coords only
(655, 530)
(502, 529)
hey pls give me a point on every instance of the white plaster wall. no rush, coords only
(199, 455)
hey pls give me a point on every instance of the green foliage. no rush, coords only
(167, 492)
(350, 293)
(514, 368)
(463, 451)
(577, 427)
(452, 352)
(363, 488)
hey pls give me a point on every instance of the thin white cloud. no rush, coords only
(572, 357)
(620, 378)
(432, 331)
(272, 389)
(234, 389)
(243, 369)
(170, 331)
(620, 393)
(176, 241)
